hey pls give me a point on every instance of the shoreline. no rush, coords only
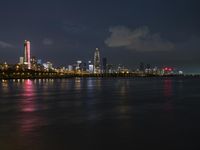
(114, 75)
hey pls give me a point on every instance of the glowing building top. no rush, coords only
(27, 53)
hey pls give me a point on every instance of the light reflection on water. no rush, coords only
(168, 88)
(92, 109)
(4, 86)
(168, 93)
(77, 83)
(28, 97)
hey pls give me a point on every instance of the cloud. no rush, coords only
(47, 41)
(140, 39)
(5, 45)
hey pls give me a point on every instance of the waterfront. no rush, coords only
(100, 113)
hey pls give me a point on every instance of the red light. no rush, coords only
(165, 68)
(168, 69)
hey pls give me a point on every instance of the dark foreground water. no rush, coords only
(92, 113)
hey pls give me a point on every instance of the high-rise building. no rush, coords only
(39, 61)
(48, 65)
(78, 65)
(21, 60)
(34, 63)
(90, 67)
(83, 66)
(104, 65)
(97, 61)
(27, 55)
(70, 67)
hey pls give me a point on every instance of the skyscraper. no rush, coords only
(90, 67)
(97, 61)
(104, 65)
(27, 55)
(21, 60)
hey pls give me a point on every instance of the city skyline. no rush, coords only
(127, 32)
(99, 65)
(34, 67)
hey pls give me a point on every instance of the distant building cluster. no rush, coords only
(94, 66)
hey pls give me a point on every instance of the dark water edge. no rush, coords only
(31, 74)
(100, 113)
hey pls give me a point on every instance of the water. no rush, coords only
(96, 113)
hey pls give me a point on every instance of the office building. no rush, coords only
(97, 61)
(21, 60)
(90, 67)
(104, 60)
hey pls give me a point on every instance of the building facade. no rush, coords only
(104, 63)
(97, 61)
(27, 54)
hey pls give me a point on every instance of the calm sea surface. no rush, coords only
(100, 113)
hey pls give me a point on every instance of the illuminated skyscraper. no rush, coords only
(27, 55)
(90, 67)
(21, 60)
(97, 61)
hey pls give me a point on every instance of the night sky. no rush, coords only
(158, 32)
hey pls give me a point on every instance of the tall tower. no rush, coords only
(27, 54)
(104, 60)
(97, 61)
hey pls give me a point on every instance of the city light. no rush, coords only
(32, 67)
